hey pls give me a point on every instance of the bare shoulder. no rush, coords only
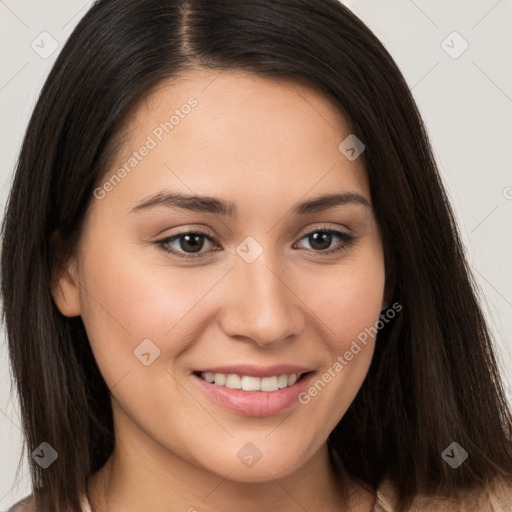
(24, 505)
(494, 497)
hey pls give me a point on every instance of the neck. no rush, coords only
(131, 482)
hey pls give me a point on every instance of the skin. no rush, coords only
(265, 144)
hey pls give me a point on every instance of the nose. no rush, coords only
(263, 306)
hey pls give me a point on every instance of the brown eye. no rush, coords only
(186, 245)
(320, 240)
(192, 243)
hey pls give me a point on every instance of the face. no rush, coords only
(186, 301)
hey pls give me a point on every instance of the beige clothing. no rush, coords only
(496, 498)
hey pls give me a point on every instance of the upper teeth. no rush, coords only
(248, 383)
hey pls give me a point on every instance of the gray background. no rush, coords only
(466, 101)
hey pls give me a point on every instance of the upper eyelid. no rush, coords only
(213, 239)
(202, 231)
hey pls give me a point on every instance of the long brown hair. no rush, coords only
(433, 379)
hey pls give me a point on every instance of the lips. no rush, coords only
(250, 390)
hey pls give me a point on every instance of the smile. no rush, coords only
(250, 383)
(253, 391)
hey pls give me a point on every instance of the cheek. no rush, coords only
(126, 300)
(140, 300)
(128, 303)
(350, 310)
(348, 298)
(348, 303)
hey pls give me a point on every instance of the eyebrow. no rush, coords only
(212, 205)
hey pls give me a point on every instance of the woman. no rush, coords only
(232, 278)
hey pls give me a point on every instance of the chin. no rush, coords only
(252, 465)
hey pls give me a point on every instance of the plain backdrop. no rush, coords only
(455, 56)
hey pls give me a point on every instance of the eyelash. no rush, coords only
(347, 241)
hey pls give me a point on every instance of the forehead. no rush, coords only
(236, 134)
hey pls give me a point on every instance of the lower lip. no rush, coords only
(255, 403)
